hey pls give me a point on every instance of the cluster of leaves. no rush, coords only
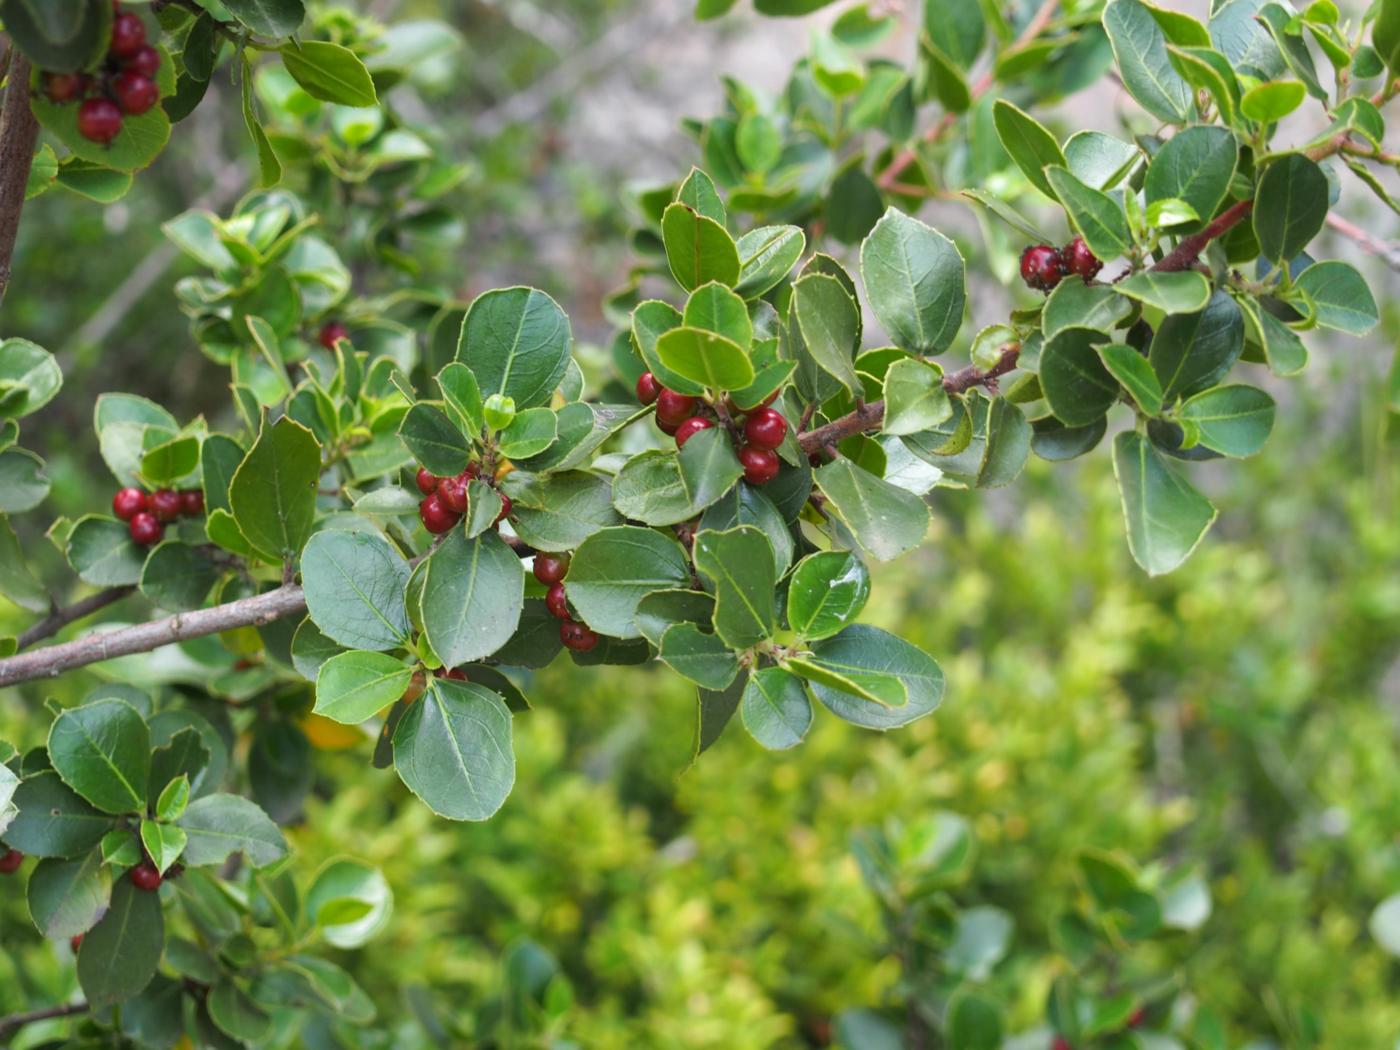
(123, 789)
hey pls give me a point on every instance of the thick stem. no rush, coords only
(1185, 254)
(53, 660)
(58, 619)
(18, 133)
(14, 1022)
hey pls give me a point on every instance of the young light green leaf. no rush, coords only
(705, 358)
(354, 686)
(775, 709)
(329, 72)
(1135, 373)
(915, 399)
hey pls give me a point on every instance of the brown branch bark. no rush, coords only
(58, 618)
(870, 416)
(18, 133)
(53, 660)
(14, 1022)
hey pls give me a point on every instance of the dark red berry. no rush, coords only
(667, 428)
(557, 601)
(146, 529)
(454, 674)
(1137, 1017)
(550, 568)
(145, 876)
(672, 407)
(146, 61)
(1042, 267)
(693, 425)
(1060, 1043)
(765, 428)
(99, 120)
(166, 504)
(10, 861)
(75, 942)
(128, 35)
(192, 503)
(760, 464)
(506, 507)
(647, 388)
(62, 87)
(135, 93)
(435, 517)
(1079, 260)
(453, 493)
(128, 503)
(576, 636)
(331, 331)
(427, 481)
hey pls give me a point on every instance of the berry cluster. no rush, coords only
(124, 85)
(146, 515)
(1042, 266)
(550, 570)
(681, 416)
(445, 499)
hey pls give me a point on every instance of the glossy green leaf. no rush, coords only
(698, 249)
(614, 569)
(698, 655)
(766, 256)
(1172, 292)
(53, 820)
(1166, 518)
(517, 342)
(273, 492)
(1097, 216)
(739, 565)
(1195, 165)
(354, 686)
(705, 358)
(1339, 296)
(119, 955)
(453, 750)
(472, 596)
(102, 750)
(558, 511)
(31, 375)
(916, 281)
(1290, 206)
(102, 552)
(436, 442)
(775, 709)
(67, 896)
(1135, 373)
(1077, 386)
(355, 584)
(220, 825)
(827, 592)
(884, 519)
(1234, 420)
(273, 18)
(1272, 100)
(1193, 351)
(1140, 47)
(862, 652)
(1028, 143)
(915, 399)
(830, 323)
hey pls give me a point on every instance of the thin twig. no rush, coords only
(18, 133)
(1387, 251)
(59, 618)
(14, 1022)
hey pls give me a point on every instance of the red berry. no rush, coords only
(576, 636)
(667, 428)
(1060, 1043)
(166, 504)
(765, 428)
(1042, 267)
(146, 529)
(557, 601)
(75, 942)
(1137, 1017)
(10, 861)
(146, 61)
(99, 120)
(62, 87)
(135, 93)
(453, 493)
(436, 518)
(1079, 260)
(128, 35)
(760, 464)
(647, 388)
(550, 568)
(693, 425)
(672, 407)
(506, 507)
(330, 332)
(454, 674)
(128, 503)
(145, 876)
(192, 503)
(427, 481)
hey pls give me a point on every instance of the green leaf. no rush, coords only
(558, 511)
(827, 592)
(718, 309)
(705, 358)
(174, 799)
(884, 519)
(60, 35)
(862, 653)
(53, 821)
(1339, 295)
(273, 492)
(102, 553)
(614, 569)
(1135, 373)
(1074, 304)
(1100, 160)
(1196, 166)
(462, 397)
(120, 954)
(67, 896)
(1208, 70)
(435, 440)
(220, 825)
(767, 255)
(453, 750)
(1165, 516)
(329, 72)
(354, 686)
(1290, 206)
(162, 843)
(517, 342)
(1028, 143)
(775, 709)
(272, 18)
(698, 192)
(167, 462)
(102, 750)
(651, 320)
(1234, 420)
(1096, 215)
(915, 399)
(472, 596)
(699, 656)
(663, 488)
(31, 375)
(345, 882)
(529, 433)
(698, 249)
(1282, 348)
(235, 1013)
(974, 1021)
(17, 583)
(1140, 48)
(739, 565)
(178, 576)
(829, 320)
(23, 483)
(1272, 100)
(1193, 351)
(1073, 378)
(1172, 293)
(916, 281)
(355, 584)
(1385, 36)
